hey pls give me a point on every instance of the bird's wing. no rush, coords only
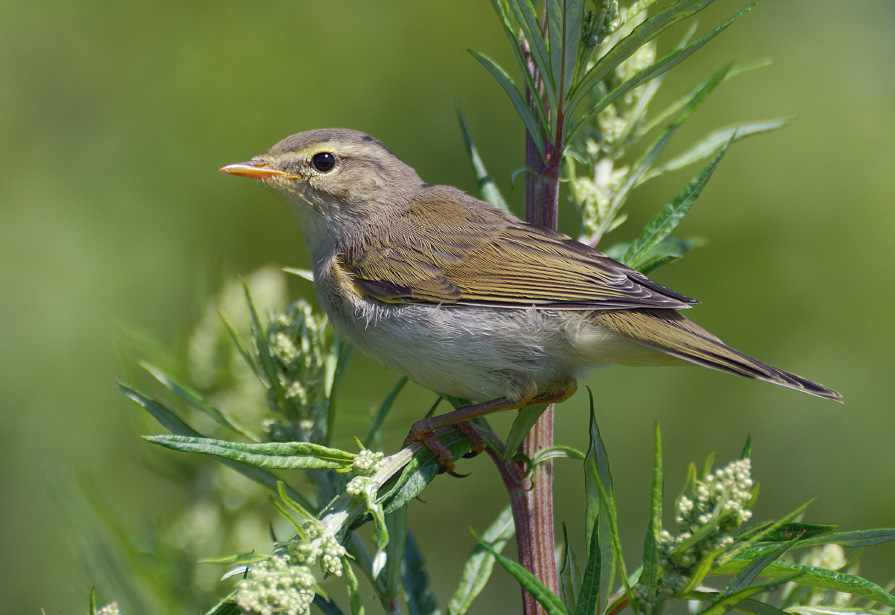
(471, 253)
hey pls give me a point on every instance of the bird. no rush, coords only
(466, 299)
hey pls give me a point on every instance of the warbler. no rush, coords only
(466, 299)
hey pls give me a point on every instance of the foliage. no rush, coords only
(589, 77)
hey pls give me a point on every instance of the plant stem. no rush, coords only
(533, 508)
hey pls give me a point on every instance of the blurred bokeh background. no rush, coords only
(116, 117)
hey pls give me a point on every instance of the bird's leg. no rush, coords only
(424, 430)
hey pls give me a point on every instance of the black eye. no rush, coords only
(324, 162)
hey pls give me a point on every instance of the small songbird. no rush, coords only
(467, 299)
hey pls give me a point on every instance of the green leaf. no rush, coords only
(418, 587)
(268, 455)
(241, 348)
(236, 560)
(556, 452)
(395, 535)
(174, 424)
(488, 189)
(663, 223)
(227, 606)
(750, 572)
(660, 117)
(193, 398)
(816, 577)
(646, 31)
(710, 144)
(564, 19)
(341, 350)
(645, 161)
(540, 592)
(527, 21)
(305, 274)
(525, 420)
(756, 607)
(800, 530)
(601, 515)
(351, 585)
(268, 363)
(569, 573)
(593, 590)
(651, 573)
(854, 538)
(383, 411)
(327, 607)
(725, 602)
(531, 124)
(480, 563)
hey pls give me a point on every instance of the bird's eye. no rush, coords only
(324, 162)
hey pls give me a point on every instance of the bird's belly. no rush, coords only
(478, 353)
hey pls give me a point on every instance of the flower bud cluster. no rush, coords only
(367, 463)
(720, 499)
(276, 585)
(317, 544)
(297, 339)
(109, 609)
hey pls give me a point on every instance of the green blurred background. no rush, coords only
(116, 117)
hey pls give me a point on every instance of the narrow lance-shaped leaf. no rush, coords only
(198, 402)
(749, 573)
(649, 577)
(569, 573)
(268, 455)
(564, 19)
(383, 411)
(530, 583)
(351, 585)
(642, 165)
(646, 31)
(172, 422)
(480, 564)
(710, 144)
(417, 586)
(657, 68)
(487, 187)
(525, 420)
(268, 363)
(663, 223)
(527, 20)
(532, 125)
(593, 591)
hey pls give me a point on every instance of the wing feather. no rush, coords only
(449, 248)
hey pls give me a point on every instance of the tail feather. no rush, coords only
(676, 335)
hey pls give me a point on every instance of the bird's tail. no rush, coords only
(675, 335)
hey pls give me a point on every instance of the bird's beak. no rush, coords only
(255, 169)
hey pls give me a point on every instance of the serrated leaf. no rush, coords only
(646, 159)
(710, 144)
(663, 223)
(268, 455)
(488, 189)
(193, 398)
(525, 420)
(173, 423)
(817, 577)
(540, 592)
(646, 31)
(751, 571)
(659, 67)
(506, 82)
(480, 563)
